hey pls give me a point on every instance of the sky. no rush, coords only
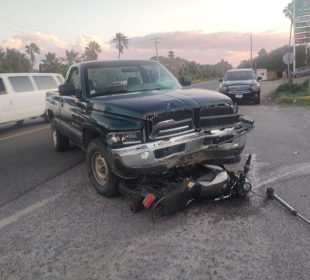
(205, 31)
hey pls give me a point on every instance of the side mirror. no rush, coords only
(259, 78)
(185, 81)
(221, 80)
(66, 90)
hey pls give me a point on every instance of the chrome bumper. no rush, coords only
(196, 147)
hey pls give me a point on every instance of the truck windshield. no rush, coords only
(140, 76)
(239, 76)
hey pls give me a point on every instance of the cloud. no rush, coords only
(12, 43)
(204, 48)
(211, 47)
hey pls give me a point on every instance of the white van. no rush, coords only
(22, 95)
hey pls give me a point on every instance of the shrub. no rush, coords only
(305, 83)
(290, 88)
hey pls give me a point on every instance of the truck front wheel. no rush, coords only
(99, 171)
(60, 142)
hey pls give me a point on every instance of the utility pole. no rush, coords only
(251, 47)
(156, 48)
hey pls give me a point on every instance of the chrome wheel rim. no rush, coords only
(100, 169)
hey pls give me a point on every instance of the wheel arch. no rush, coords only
(90, 133)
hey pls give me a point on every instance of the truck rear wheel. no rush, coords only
(103, 179)
(60, 142)
(18, 123)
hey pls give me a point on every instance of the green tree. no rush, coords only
(262, 52)
(121, 42)
(51, 63)
(91, 51)
(2, 58)
(221, 67)
(32, 49)
(171, 55)
(12, 61)
(244, 64)
(261, 61)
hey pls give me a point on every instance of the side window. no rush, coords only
(21, 83)
(45, 82)
(2, 87)
(74, 78)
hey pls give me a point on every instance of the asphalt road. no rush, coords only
(53, 225)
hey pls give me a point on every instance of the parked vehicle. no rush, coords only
(301, 72)
(22, 95)
(134, 120)
(241, 85)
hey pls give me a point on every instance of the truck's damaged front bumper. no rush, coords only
(221, 146)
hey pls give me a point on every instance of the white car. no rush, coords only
(22, 95)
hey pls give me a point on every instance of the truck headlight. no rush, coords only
(255, 87)
(124, 137)
(223, 89)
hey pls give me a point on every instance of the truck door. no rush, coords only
(70, 110)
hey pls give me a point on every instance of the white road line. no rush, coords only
(23, 133)
(15, 217)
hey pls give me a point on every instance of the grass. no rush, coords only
(294, 94)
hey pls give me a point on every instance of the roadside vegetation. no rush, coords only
(292, 94)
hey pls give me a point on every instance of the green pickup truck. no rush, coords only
(134, 119)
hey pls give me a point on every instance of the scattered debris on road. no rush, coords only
(271, 195)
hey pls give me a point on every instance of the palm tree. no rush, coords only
(31, 49)
(51, 63)
(121, 42)
(289, 13)
(91, 51)
(71, 57)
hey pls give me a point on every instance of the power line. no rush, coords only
(34, 26)
(19, 28)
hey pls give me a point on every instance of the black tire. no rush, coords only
(257, 100)
(46, 118)
(18, 123)
(60, 142)
(103, 179)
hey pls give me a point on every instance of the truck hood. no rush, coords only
(145, 103)
(239, 83)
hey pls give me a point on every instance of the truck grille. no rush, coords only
(239, 89)
(217, 117)
(171, 124)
